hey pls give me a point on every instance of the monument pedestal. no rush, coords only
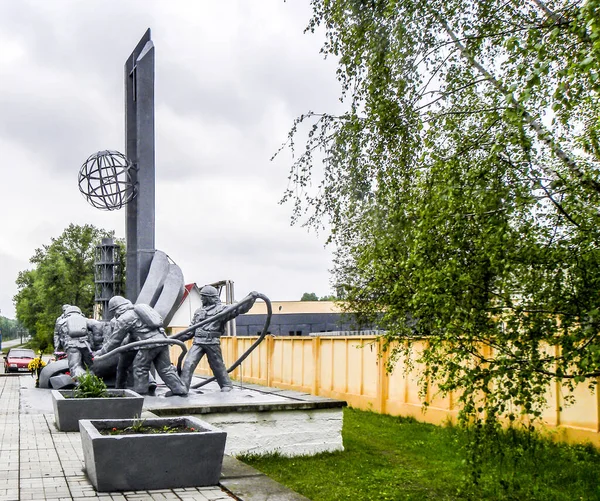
(261, 420)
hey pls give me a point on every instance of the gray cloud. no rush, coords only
(230, 79)
(10, 268)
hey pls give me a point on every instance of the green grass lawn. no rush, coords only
(390, 458)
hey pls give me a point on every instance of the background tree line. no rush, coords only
(9, 328)
(311, 296)
(62, 273)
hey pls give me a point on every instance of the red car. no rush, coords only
(18, 359)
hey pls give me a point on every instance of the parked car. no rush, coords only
(17, 360)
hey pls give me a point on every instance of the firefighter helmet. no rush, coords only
(117, 301)
(209, 290)
(73, 309)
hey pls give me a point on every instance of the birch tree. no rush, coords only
(462, 187)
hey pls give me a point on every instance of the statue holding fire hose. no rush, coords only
(71, 334)
(207, 337)
(144, 326)
(137, 336)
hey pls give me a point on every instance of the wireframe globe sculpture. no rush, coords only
(105, 180)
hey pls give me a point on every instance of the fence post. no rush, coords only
(558, 388)
(382, 378)
(316, 348)
(347, 375)
(597, 405)
(232, 352)
(270, 348)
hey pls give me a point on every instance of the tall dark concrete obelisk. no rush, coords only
(139, 141)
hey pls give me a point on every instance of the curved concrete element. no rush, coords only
(157, 274)
(171, 294)
(104, 369)
(62, 382)
(163, 287)
(163, 290)
(51, 370)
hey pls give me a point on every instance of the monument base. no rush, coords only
(257, 419)
(260, 420)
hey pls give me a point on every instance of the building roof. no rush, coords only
(187, 289)
(287, 307)
(192, 300)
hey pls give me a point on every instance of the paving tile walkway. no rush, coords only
(39, 463)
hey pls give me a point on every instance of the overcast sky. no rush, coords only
(231, 76)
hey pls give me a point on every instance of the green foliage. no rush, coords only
(390, 458)
(9, 328)
(385, 459)
(137, 426)
(462, 188)
(519, 463)
(140, 428)
(311, 296)
(90, 386)
(331, 297)
(63, 273)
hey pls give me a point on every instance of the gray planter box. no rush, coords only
(121, 404)
(152, 461)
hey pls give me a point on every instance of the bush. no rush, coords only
(90, 386)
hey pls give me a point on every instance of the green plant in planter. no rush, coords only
(90, 386)
(139, 427)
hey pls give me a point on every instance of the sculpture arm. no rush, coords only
(96, 330)
(122, 326)
(199, 315)
(57, 336)
(240, 308)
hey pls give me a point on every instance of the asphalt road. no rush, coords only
(9, 344)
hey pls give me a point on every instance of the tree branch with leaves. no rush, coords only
(62, 273)
(462, 187)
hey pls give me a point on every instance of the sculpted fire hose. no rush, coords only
(211, 319)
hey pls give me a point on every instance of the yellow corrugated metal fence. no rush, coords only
(353, 369)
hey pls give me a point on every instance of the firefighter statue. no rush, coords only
(207, 338)
(142, 323)
(72, 336)
(57, 329)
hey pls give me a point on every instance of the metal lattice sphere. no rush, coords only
(105, 180)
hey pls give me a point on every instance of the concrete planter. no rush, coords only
(152, 461)
(120, 404)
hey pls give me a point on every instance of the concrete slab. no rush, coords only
(39, 400)
(260, 488)
(250, 484)
(233, 468)
(247, 398)
(210, 396)
(261, 422)
(34, 400)
(209, 399)
(290, 393)
(305, 397)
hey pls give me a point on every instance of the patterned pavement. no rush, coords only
(39, 463)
